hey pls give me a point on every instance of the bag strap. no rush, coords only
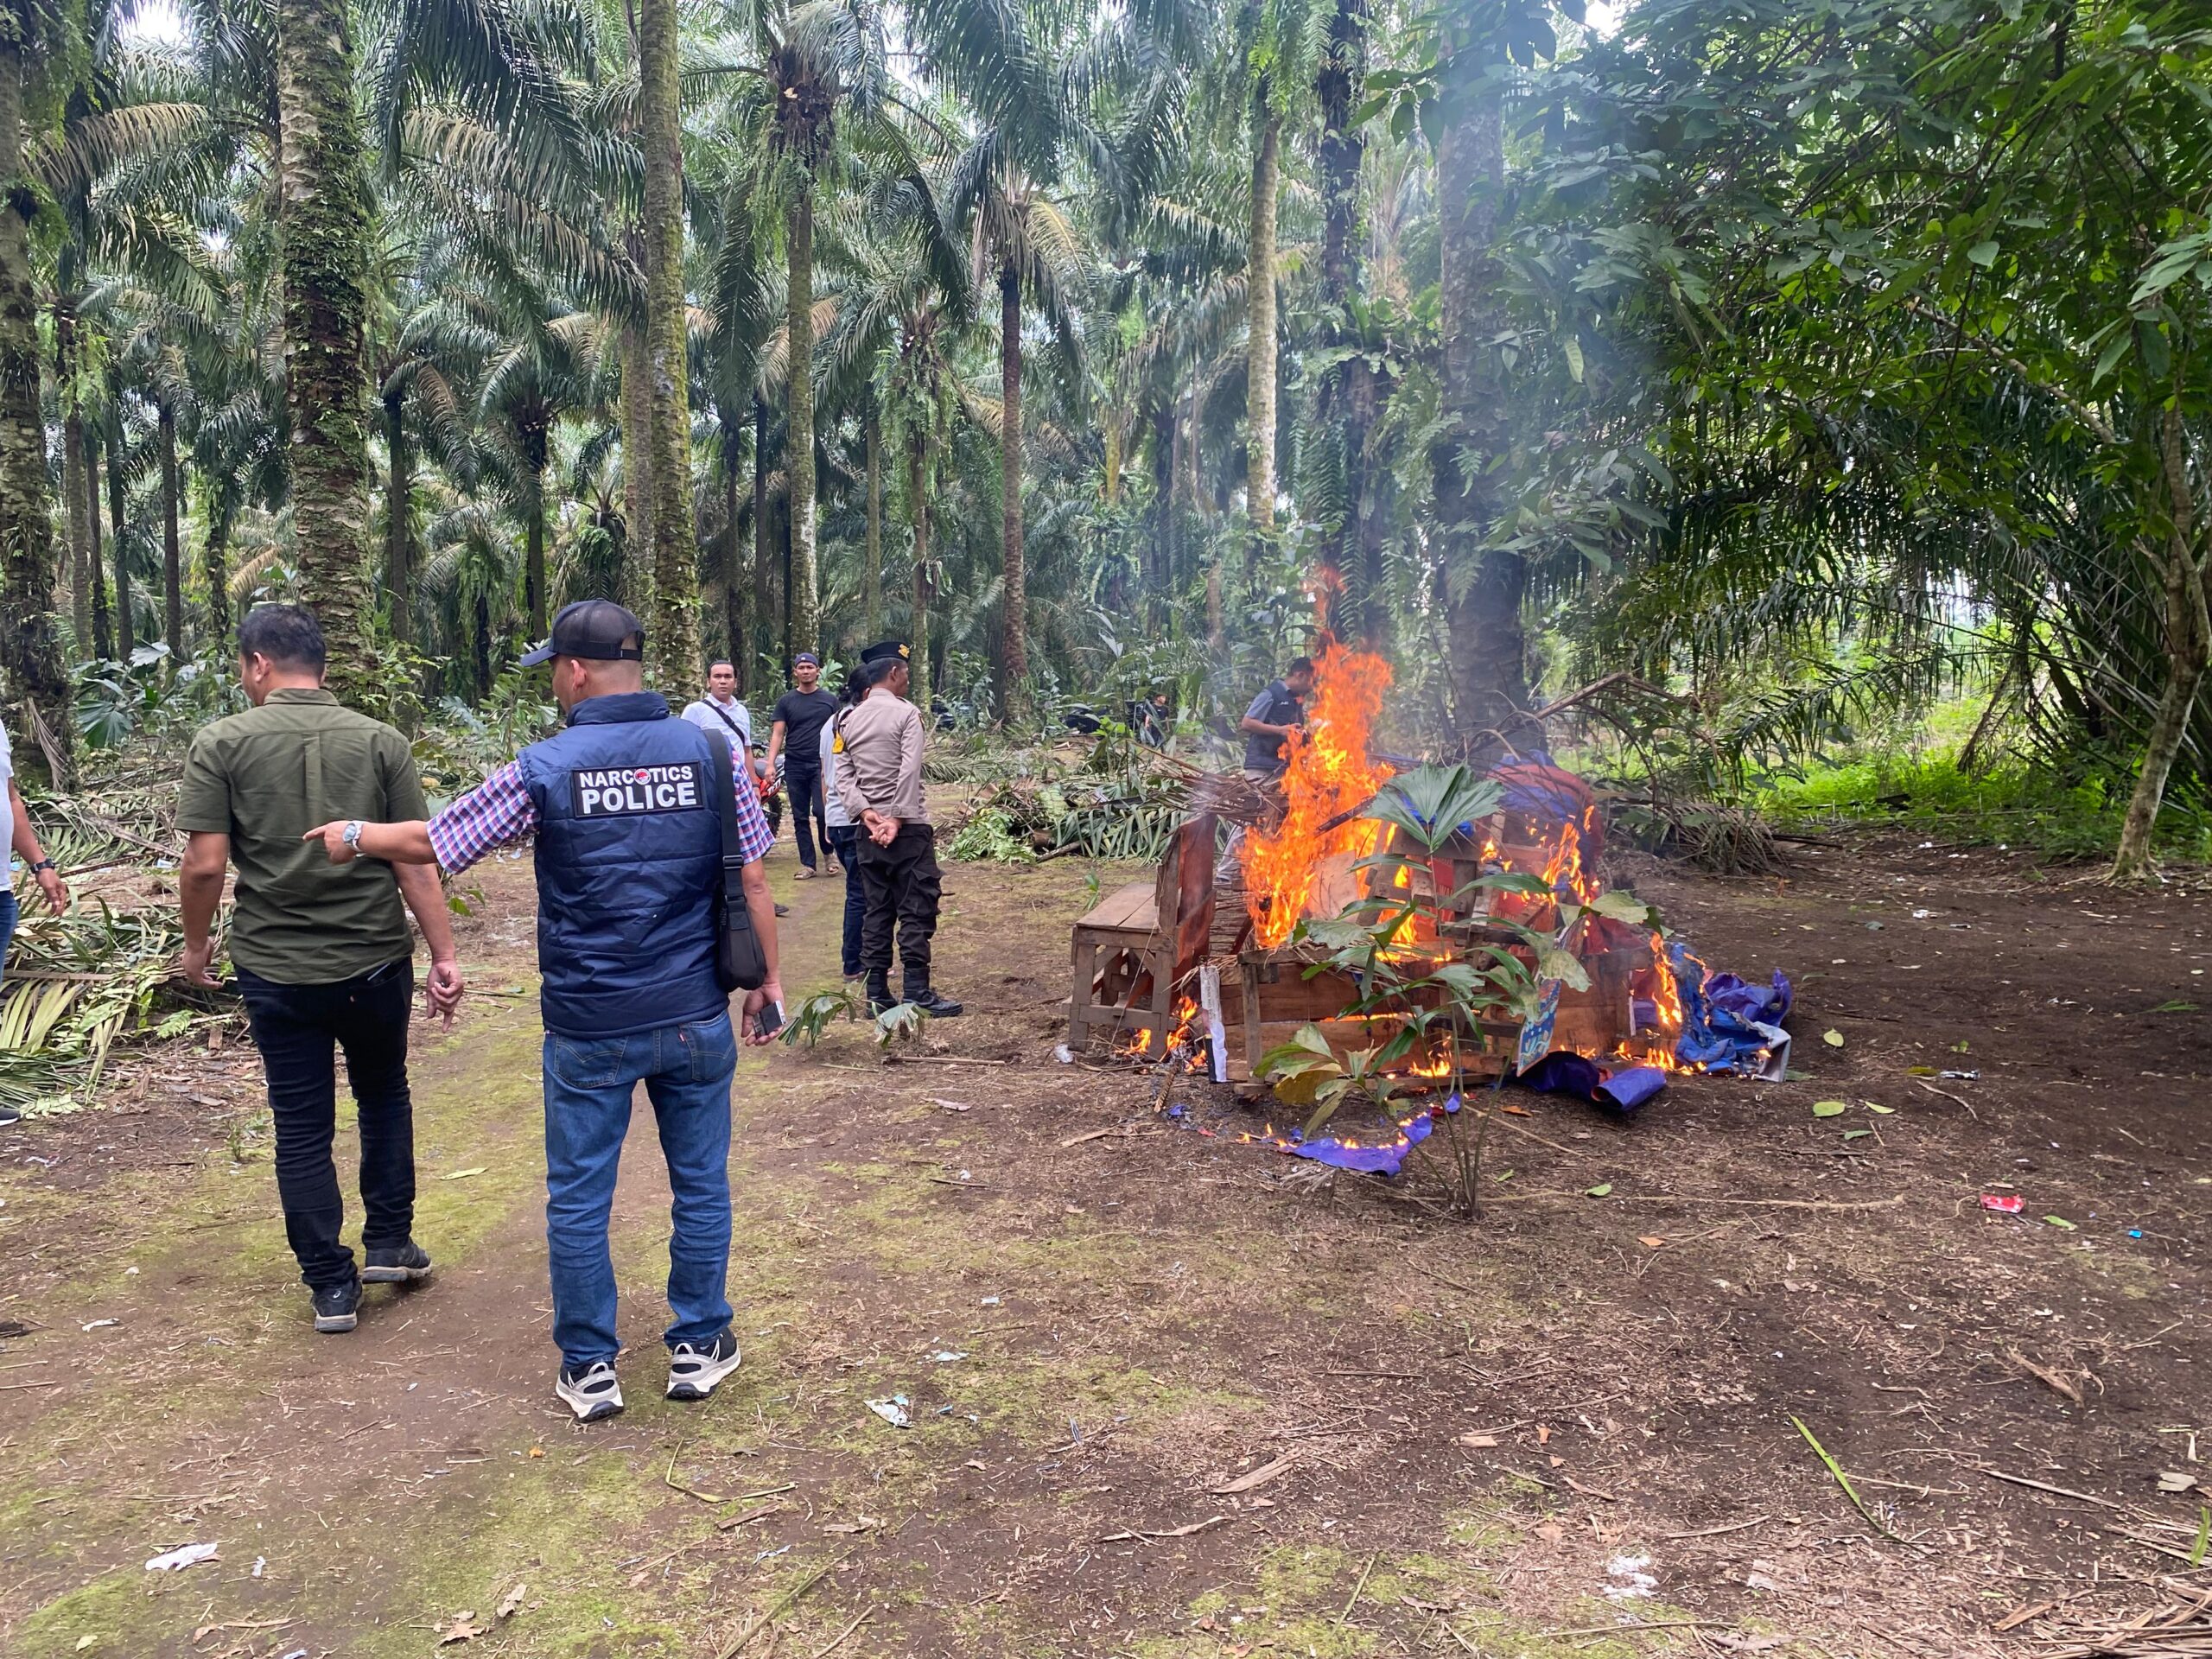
(725, 776)
(735, 730)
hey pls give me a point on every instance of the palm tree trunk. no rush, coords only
(533, 578)
(2189, 648)
(82, 565)
(760, 592)
(483, 644)
(215, 568)
(1337, 87)
(1160, 582)
(28, 652)
(917, 665)
(1015, 599)
(1345, 401)
(798, 441)
(399, 518)
(1488, 668)
(734, 587)
(127, 625)
(1259, 312)
(672, 627)
(637, 470)
(533, 563)
(872, 570)
(171, 554)
(102, 629)
(323, 221)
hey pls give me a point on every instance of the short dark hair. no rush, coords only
(1298, 665)
(865, 677)
(721, 662)
(286, 634)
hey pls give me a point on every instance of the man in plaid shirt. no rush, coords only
(629, 852)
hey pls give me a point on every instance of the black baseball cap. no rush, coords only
(881, 649)
(597, 628)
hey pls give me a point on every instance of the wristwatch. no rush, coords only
(43, 864)
(351, 834)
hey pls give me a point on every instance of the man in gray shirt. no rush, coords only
(879, 756)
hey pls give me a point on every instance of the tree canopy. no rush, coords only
(1773, 364)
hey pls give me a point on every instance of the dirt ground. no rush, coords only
(1568, 1428)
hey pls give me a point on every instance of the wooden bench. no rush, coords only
(1133, 950)
(1121, 954)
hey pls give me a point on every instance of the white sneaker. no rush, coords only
(591, 1393)
(693, 1371)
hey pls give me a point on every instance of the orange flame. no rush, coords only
(1666, 994)
(1564, 868)
(1330, 772)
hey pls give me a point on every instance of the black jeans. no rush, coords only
(901, 882)
(296, 1028)
(844, 841)
(803, 783)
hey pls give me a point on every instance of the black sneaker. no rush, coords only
(936, 1004)
(693, 1371)
(10, 1117)
(337, 1307)
(591, 1391)
(396, 1264)
(783, 910)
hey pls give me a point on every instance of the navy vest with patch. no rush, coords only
(629, 866)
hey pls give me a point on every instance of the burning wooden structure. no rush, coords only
(1204, 958)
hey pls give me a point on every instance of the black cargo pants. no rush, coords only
(901, 882)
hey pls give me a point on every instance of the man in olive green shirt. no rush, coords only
(323, 953)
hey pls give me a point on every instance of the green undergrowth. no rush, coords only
(2011, 806)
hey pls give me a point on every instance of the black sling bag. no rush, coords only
(741, 964)
(735, 730)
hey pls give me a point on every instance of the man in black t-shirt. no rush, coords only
(797, 735)
(1274, 715)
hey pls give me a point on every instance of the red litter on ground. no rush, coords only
(2005, 1204)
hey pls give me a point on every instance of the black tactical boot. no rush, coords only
(880, 999)
(936, 1004)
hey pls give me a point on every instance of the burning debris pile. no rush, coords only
(1389, 934)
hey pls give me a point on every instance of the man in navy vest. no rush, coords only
(629, 868)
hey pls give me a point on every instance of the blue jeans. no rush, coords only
(844, 841)
(589, 1084)
(7, 913)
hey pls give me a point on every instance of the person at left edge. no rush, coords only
(24, 839)
(629, 868)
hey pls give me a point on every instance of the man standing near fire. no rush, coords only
(1274, 715)
(878, 750)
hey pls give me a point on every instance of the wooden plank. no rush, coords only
(1086, 972)
(1193, 855)
(1247, 1042)
(1127, 909)
(1254, 1044)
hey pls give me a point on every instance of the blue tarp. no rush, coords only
(1386, 1159)
(1562, 1072)
(1728, 1025)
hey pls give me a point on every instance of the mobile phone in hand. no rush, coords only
(769, 1021)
